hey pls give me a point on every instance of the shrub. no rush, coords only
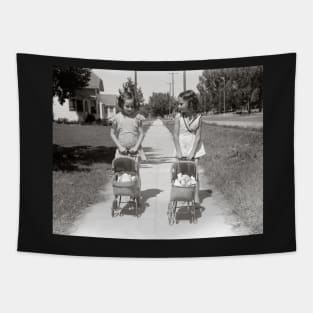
(90, 119)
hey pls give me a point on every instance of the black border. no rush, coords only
(35, 219)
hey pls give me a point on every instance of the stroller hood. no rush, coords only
(124, 164)
(184, 167)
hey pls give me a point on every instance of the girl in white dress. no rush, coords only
(187, 131)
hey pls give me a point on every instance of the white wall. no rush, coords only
(165, 30)
(111, 111)
(62, 111)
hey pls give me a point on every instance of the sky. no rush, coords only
(149, 81)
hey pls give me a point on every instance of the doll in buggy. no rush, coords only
(184, 180)
(126, 184)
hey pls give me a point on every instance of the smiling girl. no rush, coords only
(187, 131)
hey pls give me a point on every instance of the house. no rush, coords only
(88, 101)
(108, 105)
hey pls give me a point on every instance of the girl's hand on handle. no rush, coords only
(179, 155)
(122, 150)
(190, 156)
(133, 150)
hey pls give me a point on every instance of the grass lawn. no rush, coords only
(257, 117)
(82, 157)
(249, 121)
(234, 165)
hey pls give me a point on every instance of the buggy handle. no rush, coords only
(185, 159)
(127, 152)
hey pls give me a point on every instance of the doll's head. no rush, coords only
(188, 102)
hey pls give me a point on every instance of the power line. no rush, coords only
(135, 79)
(169, 99)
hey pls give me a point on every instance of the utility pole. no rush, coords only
(173, 83)
(224, 80)
(169, 99)
(135, 79)
(184, 80)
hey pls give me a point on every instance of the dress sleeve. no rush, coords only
(139, 119)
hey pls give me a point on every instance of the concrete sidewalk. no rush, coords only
(217, 220)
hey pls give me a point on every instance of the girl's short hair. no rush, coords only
(192, 98)
(126, 95)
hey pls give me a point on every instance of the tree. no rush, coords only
(129, 86)
(66, 80)
(238, 85)
(161, 103)
(145, 110)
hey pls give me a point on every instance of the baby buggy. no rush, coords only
(126, 184)
(183, 187)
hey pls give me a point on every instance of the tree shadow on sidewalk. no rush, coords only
(128, 209)
(205, 193)
(147, 194)
(183, 211)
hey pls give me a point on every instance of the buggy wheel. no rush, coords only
(189, 209)
(137, 205)
(170, 213)
(174, 212)
(194, 216)
(114, 207)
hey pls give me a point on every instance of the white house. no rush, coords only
(108, 104)
(87, 101)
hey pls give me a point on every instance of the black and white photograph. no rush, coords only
(157, 154)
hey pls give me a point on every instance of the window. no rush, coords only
(79, 106)
(72, 104)
(93, 109)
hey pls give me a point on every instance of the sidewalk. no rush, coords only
(217, 219)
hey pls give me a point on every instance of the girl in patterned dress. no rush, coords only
(127, 131)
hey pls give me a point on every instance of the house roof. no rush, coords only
(108, 100)
(95, 82)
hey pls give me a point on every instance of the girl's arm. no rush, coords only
(140, 137)
(176, 137)
(115, 140)
(196, 142)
